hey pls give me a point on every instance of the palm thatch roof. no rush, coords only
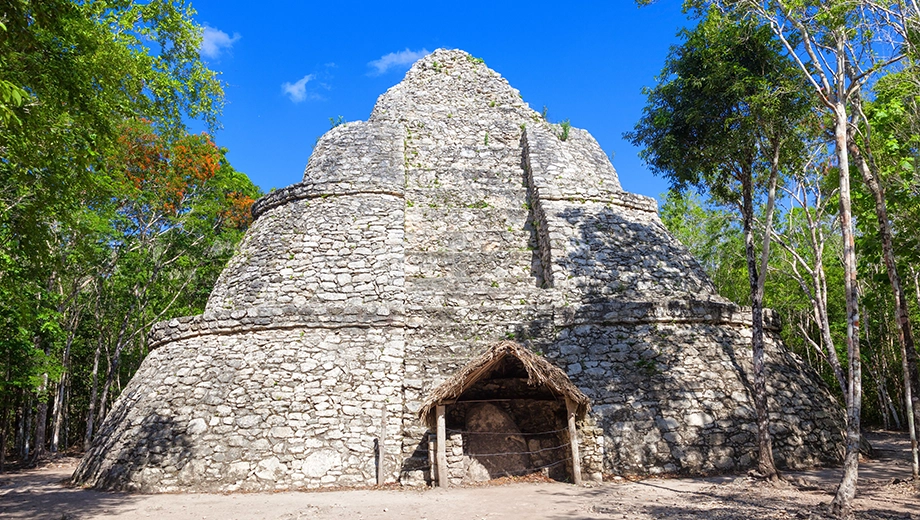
(540, 372)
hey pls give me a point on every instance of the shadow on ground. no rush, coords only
(44, 493)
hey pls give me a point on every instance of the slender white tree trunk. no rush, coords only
(842, 504)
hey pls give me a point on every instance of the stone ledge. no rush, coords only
(315, 190)
(624, 199)
(545, 157)
(272, 318)
(674, 311)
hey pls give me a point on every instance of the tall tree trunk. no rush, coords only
(19, 428)
(4, 428)
(57, 413)
(93, 394)
(765, 464)
(26, 428)
(888, 402)
(41, 421)
(880, 394)
(820, 306)
(842, 505)
(817, 292)
(41, 415)
(58, 409)
(905, 335)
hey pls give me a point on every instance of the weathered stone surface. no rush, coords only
(492, 431)
(453, 218)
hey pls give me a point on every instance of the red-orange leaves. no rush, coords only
(238, 212)
(159, 174)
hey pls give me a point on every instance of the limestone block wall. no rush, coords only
(675, 395)
(574, 169)
(360, 155)
(343, 249)
(335, 237)
(597, 241)
(472, 272)
(274, 409)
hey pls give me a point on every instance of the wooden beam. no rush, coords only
(442, 448)
(381, 448)
(572, 408)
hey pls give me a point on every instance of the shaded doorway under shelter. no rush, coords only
(508, 412)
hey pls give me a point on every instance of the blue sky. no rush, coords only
(291, 66)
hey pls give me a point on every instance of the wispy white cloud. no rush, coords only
(297, 91)
(396, 59)
(214, 41)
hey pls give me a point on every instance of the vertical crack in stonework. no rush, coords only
(455, 217)
(538, 217)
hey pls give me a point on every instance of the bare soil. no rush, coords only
(885, 492)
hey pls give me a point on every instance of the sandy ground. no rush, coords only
(42, 494)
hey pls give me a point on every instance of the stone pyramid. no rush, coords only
(453, 218)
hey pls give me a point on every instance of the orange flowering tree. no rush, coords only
(176, 209)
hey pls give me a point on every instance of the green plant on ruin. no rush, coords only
(648, 367)
(564, 128)
(337, 121)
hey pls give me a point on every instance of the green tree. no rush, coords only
(834, 44)
(70, 74)
(804, 235)
(720, 120)
(714, 237)
(884, 147)
(179, 211)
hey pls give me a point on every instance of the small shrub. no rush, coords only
(564, 128)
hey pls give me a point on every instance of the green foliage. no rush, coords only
(337, 121)
(564, 128)
(721, 95)
(111, 215)
(714, 237)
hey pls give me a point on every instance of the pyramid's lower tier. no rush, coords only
(264, 403)
(415, 241)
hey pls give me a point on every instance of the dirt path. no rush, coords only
(39, 494)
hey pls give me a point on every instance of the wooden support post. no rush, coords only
(381, 448)
(571, 408)
(442, 448)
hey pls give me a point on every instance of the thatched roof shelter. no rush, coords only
(540, 372)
